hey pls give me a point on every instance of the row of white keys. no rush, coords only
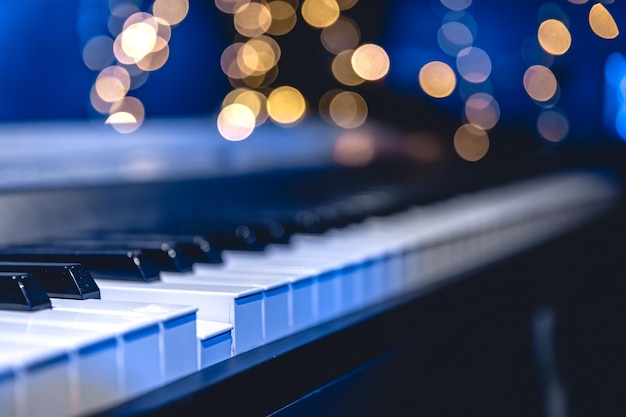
(277, 312)
(177, 329)
(241, 306)
(302, 284)
(315, 289)
(34, 368)
(383, 256)
(138, 348)
(83, 375)
(116, 350)
(349, 270)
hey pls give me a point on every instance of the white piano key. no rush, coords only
(41, 381)
(304, 281)
(342, 272)
(214, 342)
(177, 329)
(35, 369)
(240, 306)
(139, 358)
(371, 266)
(327, 289)
(277, 296)
(63, 377)
(8, 394)
(335, 280)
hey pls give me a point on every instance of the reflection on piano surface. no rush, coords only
(326, 207)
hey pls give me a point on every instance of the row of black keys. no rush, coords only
(66, 267)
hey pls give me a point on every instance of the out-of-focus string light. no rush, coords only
(251, 64)
(553, 125)
(453, 37)
(126, 115)
(254, 100)
(230, 6)
(252, 19)
(320, 13)
(456, 37)
(112, 83)
(554, 37)
(473, 64)
(471, 142)
(437, 79)
(343, 70)
(236, 122)
(346, 4)
(602, 22)
(140, 45)
(370, 62)
(456, 4)
(348, 109)
(482, 110)
(286, 105)
(98, 53)
(342, 35)
(540, 83)
(283, 17)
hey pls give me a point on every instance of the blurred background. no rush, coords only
(476, 75)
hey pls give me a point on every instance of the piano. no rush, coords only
(312, 208)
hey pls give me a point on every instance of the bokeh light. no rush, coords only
(553, 125)
(236, 122)
(437, 79)
(98, 53)
(348, 109)
(453, 37)
(602, 23)
(139, 45)
(343, 70)
(482, 110)
(252, 19)
(112, 83)
(254, 100)
(126, 115)
(320, 13)
(554, 37)
(456, 4)
(342, 35)
(540, 83)
(473, 64)
(471, 142)
(171, 11)
(284, 17)
(370, 62)
(286, 105)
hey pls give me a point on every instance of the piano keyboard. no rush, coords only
(81, 356)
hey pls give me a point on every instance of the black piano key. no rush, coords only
(166, 255)
(60, 280)
(131, 265)
(21, 291)
(190, 248)
(236, 237)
